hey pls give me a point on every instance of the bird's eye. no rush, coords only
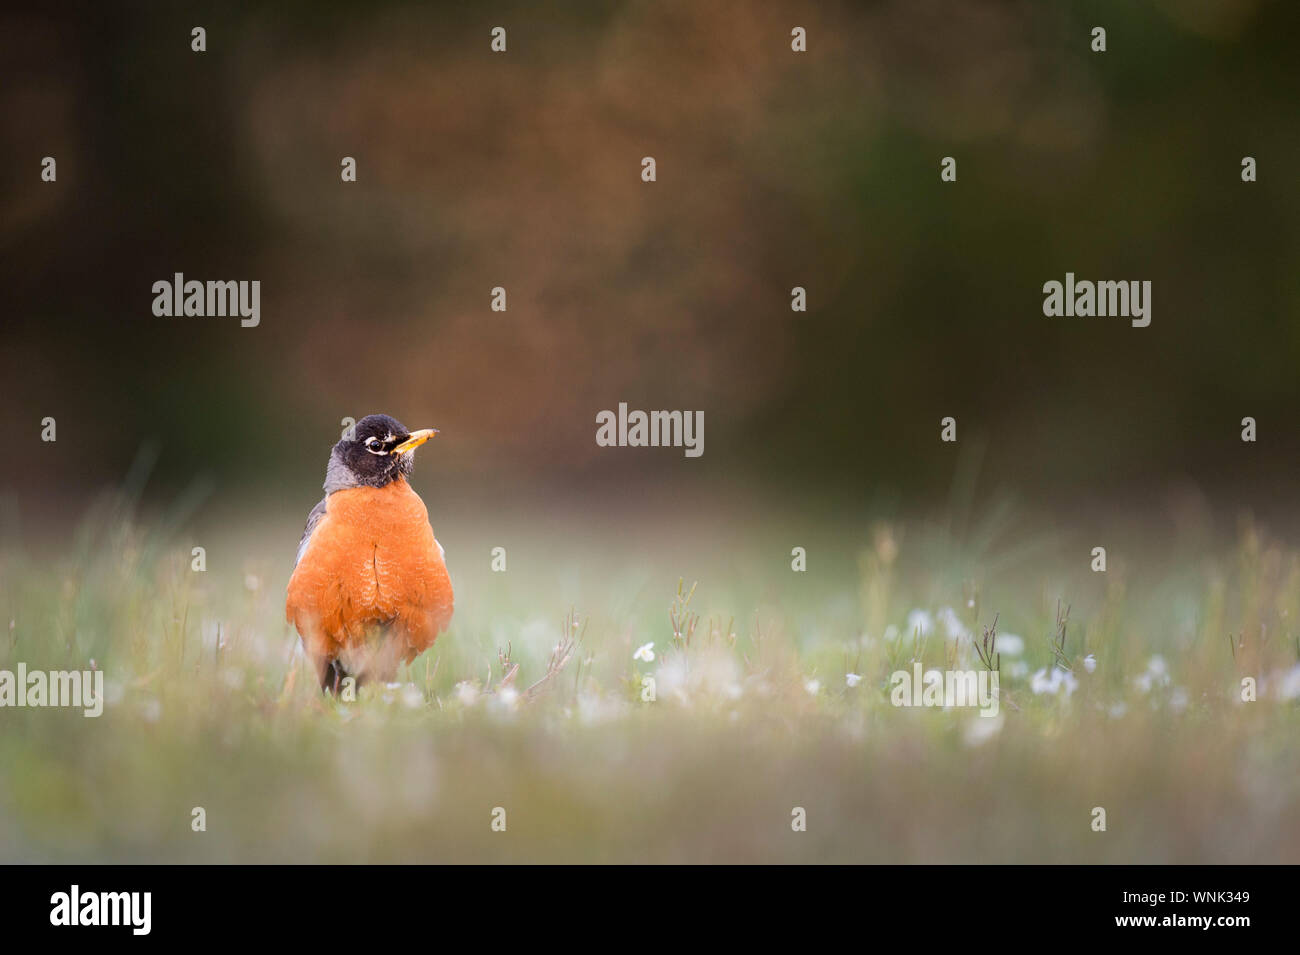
(373, 446)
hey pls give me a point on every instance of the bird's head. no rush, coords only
(378, 452)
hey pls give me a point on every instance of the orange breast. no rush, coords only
(371, 565)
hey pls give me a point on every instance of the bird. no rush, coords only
(369, 588)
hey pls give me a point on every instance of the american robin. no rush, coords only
(369, 587)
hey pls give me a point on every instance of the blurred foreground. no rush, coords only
(755, 712)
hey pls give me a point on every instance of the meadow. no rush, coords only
(864, 221)
(1119, 689)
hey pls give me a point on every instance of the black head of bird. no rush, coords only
(378, 451)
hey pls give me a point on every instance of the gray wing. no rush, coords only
(314, 518)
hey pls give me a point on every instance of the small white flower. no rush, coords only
(1289, 688)
(466, 693)
(813, 687)
(593, 709)
(1053, 683)
(1010, 645)
(1090, 663)
(952, 624)
(1157, 674)
(919, 620)
(981, 729)
(1042, 683)
(852, 679)
(645, 652)
(412, 696)
(252, 582)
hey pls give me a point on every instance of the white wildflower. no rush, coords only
(981, 729)
(1054, 682)
(1010, 645)
(412, 696)
(1157, 674)
(919, 620)
(1289, 687)
(1041, 683)
(952, 625)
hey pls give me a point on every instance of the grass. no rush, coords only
(754, 712)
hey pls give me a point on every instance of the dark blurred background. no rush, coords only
(522, 170)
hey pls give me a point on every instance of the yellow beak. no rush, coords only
(416, 439)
